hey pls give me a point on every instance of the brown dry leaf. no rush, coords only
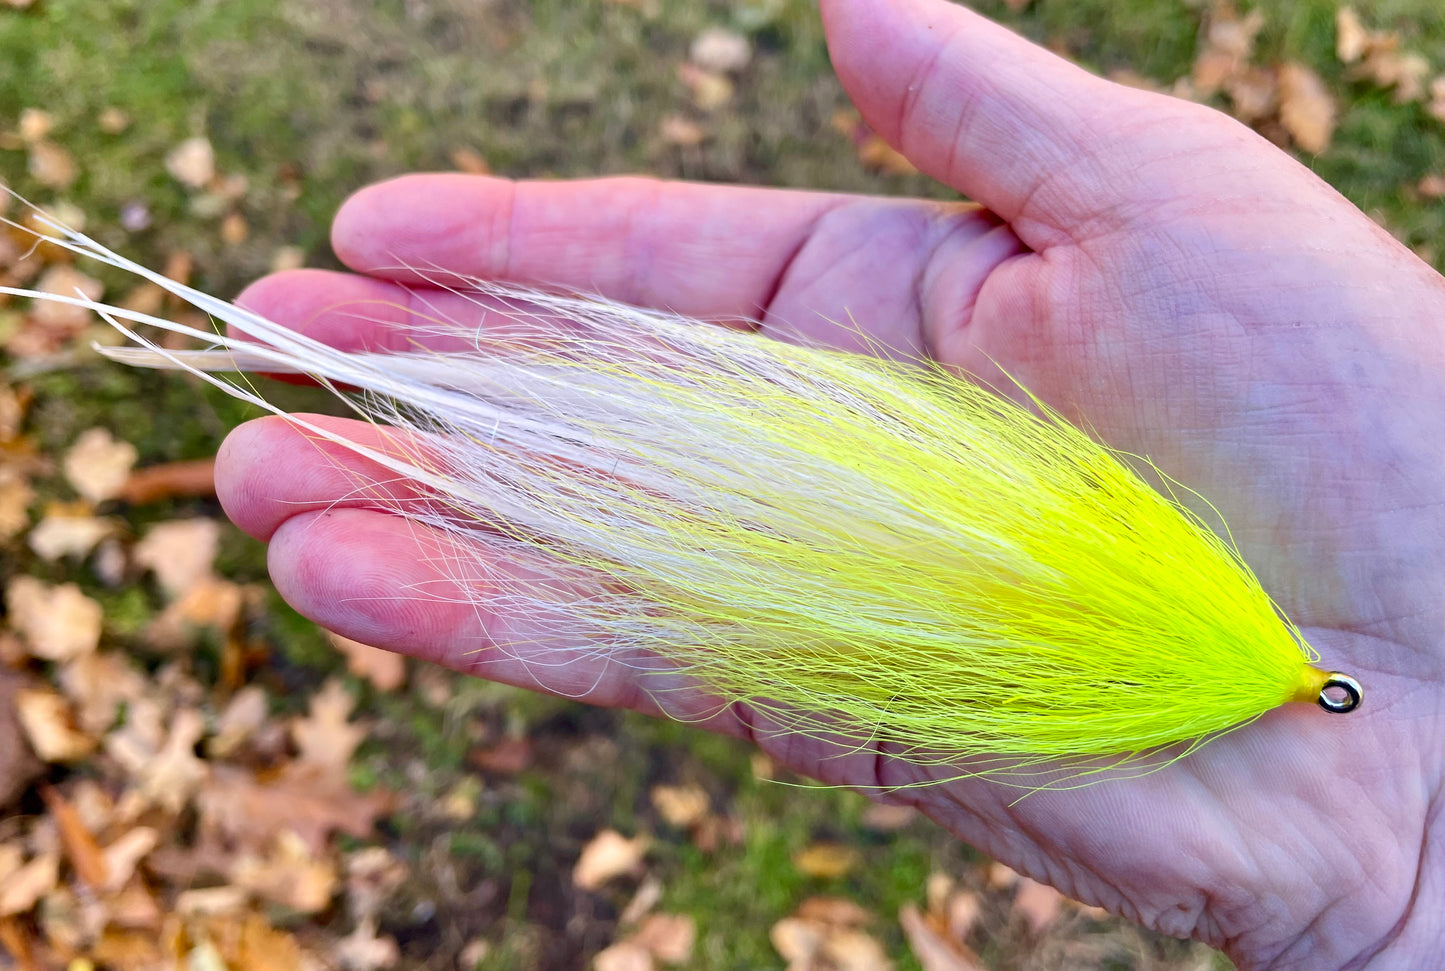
(649, 892)
(35, 124)
(243, 715)
(1253, 94)
(97, 465)
(128, 950)
(826, 861)
(853, 950)
(239, 809)
(879, 156)
(175, 774)
(287, 258)
(668, 937)
(470, 161)
(1306, 107)
(1432, 186)
(50, 728)
(961, 913)
(98, 684)
(79, 842)
(710, 90)
(385, 669)
(623, 956)
(24, 888)
(234, 229)
(1227, 49)
(325, 738)
(681, 806)
(1039, 904)
(15, 498)
(884, 818)
(193, 162)
(211, 901)
(112, 121)
(934, 951)
(507, 756)
(289, 875)
(209, 603)
(1352, 40)
(180, 552)
(61, 321)
(999, 876)
(798, 941)
(363, 950)
(1436, 107)
(1404, 71)
(608, 855)
(372, 876)
(720, 50)
(170, 479)
(124, 854)
(833, 912)
(682, 132)
(14, 935)
(63, 531)
(52, 166)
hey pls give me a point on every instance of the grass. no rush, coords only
(311, 100)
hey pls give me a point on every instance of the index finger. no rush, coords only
(698, 250)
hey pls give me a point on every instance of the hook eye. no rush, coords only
(1354, 694)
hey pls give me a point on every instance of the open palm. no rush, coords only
(1148, 267)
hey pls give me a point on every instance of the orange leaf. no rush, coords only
(80, 845)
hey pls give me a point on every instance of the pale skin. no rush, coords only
(1147, 266)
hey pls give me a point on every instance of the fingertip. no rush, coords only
(377, 226)
(242, 473)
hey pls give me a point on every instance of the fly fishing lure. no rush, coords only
(860, 547)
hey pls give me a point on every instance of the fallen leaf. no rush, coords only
(710, 90)
(884, 818)
(97, 465)
(607, 856)
(209, 603)
(234, 229)
(19, 765)
(325, 737)
(934, 951)
(623, 956)
(679, 131)
(879, 156)
(35, 124)
(289, 875)
(833, 912)
(1351, 37)
(798, 941)
(853, 950)
(124, 854)
(58, 623)
(98, 684)
(508, 756)
(1039, 904)
(667, 937)
(175, 774)
(60, 533)
(211, 900)
(14, 935)
(961, 913)
(470, 161)
(171, 479)
(1254, 94)
(720, 50)
(50, 728)
(385, 669)
(52, 166)
(242, 716)
(1436, 107)
(113, 121)
(15, 498)
(24, 888)
(179, 553)
(1306, 107)
(364, 950)
(681, 806)
(193, 162)
(649, 892)
(999, 876)
(826, 861)
(79, 843)
(1227, 49)
(1432, 186)
(60, 321)
(237, 808)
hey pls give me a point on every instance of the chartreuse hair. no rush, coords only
(862, 548)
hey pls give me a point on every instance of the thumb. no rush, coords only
(1043, 143)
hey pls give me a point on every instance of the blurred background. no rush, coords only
(193, 776)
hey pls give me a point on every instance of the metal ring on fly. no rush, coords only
(1354, 694)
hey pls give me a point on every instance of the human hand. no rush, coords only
(1148, 267)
